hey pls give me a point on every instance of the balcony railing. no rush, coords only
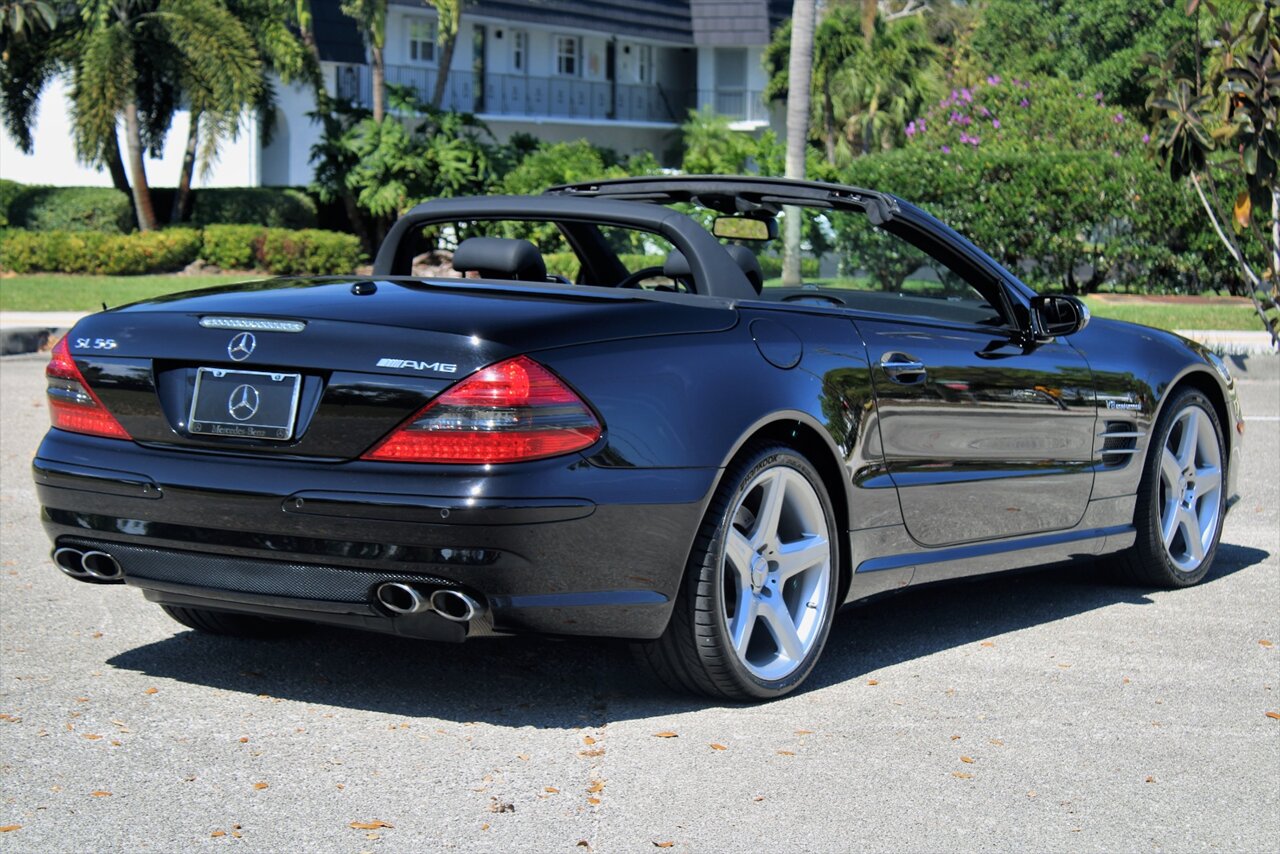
(522, 95)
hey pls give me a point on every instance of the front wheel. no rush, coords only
(1181, 498)
(759, 592)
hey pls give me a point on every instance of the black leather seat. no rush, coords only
(500, 258)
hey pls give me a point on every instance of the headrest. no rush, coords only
(500, 258)
(748, 263)
(676, 266)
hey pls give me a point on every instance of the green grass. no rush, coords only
(54, 292)
(1185, 315)
(51, 292)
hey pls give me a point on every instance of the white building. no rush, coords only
(619, 73)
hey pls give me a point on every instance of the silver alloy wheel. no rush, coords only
(777, 573)
(1190, 488)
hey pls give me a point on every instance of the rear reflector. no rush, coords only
(72, 404)
(512, 411)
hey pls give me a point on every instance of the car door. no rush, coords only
(984, 435)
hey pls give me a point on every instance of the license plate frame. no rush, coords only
(274, 422)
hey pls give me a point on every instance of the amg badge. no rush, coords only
(439, 367)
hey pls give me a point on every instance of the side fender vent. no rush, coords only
(1119, 443)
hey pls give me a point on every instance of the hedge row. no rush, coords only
(108, 210)
(271, 250)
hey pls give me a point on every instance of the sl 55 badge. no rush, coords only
(96, 344)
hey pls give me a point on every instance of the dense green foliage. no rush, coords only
(9, 190)
(67, 209)
(276, 207)
(282, 251)
(96, 252)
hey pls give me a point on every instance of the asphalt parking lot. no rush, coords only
(1047, 711)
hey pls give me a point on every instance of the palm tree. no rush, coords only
(798, 105)
(449, 21)
(132, 59)
(371, 17)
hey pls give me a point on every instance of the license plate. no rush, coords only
(250, 404)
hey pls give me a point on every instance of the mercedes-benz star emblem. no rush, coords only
(242, 403)
(241, 346)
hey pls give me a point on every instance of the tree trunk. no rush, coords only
(379, 85)
(119, 178)
(829, 124)
(137, 169)
(447, 44)
(798, 93)
(182, 198)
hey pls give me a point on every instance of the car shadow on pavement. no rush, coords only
(546, 683)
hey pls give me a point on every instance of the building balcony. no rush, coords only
(524, 96)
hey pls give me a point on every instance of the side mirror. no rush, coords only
(1053, 316)
(744, 228)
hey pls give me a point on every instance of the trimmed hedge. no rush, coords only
(771, 266)
(9, 190)
(102, 209)
(274, 207)
(95, 252)
(273, 250)
(282, 251)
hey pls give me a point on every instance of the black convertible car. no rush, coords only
(675, 437)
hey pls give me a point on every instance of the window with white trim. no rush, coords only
(422, 40)
(644, 63)
(568, 56)
(519, 51)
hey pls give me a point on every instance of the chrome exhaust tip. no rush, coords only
(102, 566)
(455, 605)
(71, 562)
(401, 598)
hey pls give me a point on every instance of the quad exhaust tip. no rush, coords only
(92, 565)
(401, 598)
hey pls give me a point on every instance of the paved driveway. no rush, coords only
(1047, 711)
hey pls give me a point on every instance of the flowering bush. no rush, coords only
(1015, 115)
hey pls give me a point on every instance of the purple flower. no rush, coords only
(1146, 137)
(1118, 118)
(967, 95)
(1024, 103)
(984, 112)
(946, 149)
(993, 80)
(1097, 96)
(911, 129)
(995, 123)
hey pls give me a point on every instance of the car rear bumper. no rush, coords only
(313, 541)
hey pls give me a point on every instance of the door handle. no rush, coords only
(902, 368)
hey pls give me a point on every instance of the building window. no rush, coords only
(422, 40)
(519, 51)
(568, 56)
(644, 63)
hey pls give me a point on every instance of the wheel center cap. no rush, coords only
(759, 571)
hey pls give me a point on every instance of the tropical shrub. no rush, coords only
(9, 190)
(94, 252)
(274, 207)
(281, 251)
(103, 209)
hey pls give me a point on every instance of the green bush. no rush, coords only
(274, 207)
(94, 252)
(8, 192)
(282, 251)
(102, 209)
(771, 266)
(1049, 216)
(566, 263)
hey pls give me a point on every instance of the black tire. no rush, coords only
(233, 625)
(1148, 562)
(694, 654)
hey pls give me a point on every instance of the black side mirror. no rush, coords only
(1057, 315)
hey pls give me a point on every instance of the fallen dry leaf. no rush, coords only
(1274, 715)
(873, 681)
(523, 757)
(963, 775)
(715, 746)
(987, 643)
(261, 785)
(235, 834)
(484, 826)
(369, 825)
(244, 739)
(217, 833)
(997, 742)
(1064, 666)
(152, 690)
(1151, 779)
(91, 736)
(595, 751)
(9, 828)
(596, 787)
(595, 802)
(663, 844)
(582, 843)
(968, 760)
(1032, 793)
(586, 739)
(1124, 681)
(786, 753)
(496, 805)
(552, 790)
(804, 732)
(1266, 643)
(955, 738)
(101, 793)
(666, 733)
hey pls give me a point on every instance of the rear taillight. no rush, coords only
(512, 411)
(72, 404)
